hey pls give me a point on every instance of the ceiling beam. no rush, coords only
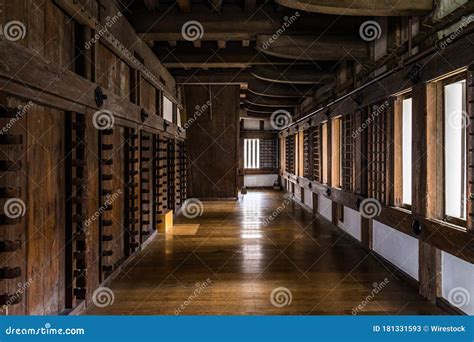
(294, 75)
(266, 110)
(252, 114)
(231, 57)
(250, 5)
(313, 47)
(262, 88)
(234, 23)
(271, 101)
(184, 6)
(196, 77)
(151, 5)
(269, 110)
(362, 7)
(216, 5)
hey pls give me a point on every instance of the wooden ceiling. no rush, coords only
(280, 51)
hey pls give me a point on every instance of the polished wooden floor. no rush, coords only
(234, 262)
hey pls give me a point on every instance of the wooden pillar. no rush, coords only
(360, 146)
(429, 256)
(366, 232)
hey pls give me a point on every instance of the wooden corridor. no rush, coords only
(236, 262)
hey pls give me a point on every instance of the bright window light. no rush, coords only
(251, 153)
(406, 150)
(454, 149)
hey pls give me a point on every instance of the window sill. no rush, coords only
(462, 228)
(404, 210)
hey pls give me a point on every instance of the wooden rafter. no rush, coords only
(361, 8)
(313, 47)
(184, 5)
(294, 75)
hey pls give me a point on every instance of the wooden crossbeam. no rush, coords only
(294, 75)
(313, 47)
(361, 8)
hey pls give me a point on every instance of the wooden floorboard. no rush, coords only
(234, 262)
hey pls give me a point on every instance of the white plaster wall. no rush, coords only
(325, 207)
(167, 109)
(398, 248)
(260, 180)
(308, 198)
(251, 124)
(458, 282)
(351, 222)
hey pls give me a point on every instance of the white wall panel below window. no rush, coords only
(325, 207)
(351, 222)
(458, 282)
(398, 248)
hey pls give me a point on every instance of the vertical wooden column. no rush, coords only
(177, 170)
(146, 196)
(12, 198)
(105, 192)
(182, 170)
(163, 174)
(470, 147)
(131, 200)
(429, 256)
(76, 211)
(360, 149)
(155, 185)
(170, 173)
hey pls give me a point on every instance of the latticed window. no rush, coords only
(290, 154)
(347, 152)
(316, 140)
(307, 157)
(268, 152)
(377, 148)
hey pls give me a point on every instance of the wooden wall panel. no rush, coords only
(15, 184)
(92, 173)
(42, 179)
(46, 189)
(212, 141)
(147, 97)
(118, 189)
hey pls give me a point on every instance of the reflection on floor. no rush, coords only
(240, 262)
